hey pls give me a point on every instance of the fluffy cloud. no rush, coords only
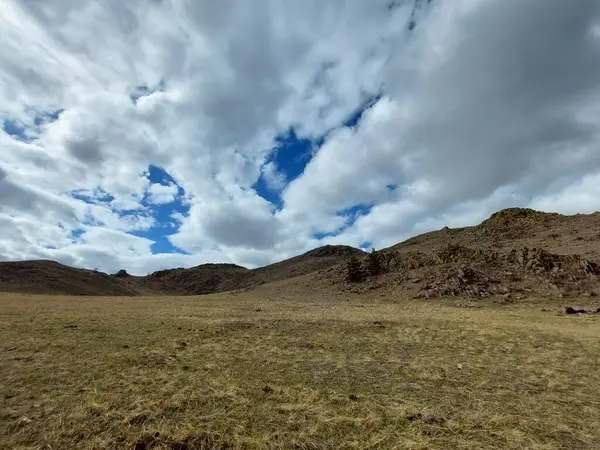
(159, 194)
(480, 104)
(275, 179)
(489, 105)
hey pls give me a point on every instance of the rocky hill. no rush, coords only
(516, 253)
(515, 228)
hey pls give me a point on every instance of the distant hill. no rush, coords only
(515, 253)
(203, 279)
(48, 277)
(208, 278)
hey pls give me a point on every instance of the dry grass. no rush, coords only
(243, 372)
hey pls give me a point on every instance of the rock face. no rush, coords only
(122, 274)
(483, 274)
(459, 271)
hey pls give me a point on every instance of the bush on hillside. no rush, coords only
(375, 264)
(355, 272)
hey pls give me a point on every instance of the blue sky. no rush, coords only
(290, 156)
(26, 133)
(292, 153)
(166, 225)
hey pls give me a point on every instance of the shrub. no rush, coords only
(375, 262)
(355, 272)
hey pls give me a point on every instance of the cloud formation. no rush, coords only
(478, 105)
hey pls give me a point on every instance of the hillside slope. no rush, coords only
(515, 253)
(209, 278)
(515, 228)
(49, 277)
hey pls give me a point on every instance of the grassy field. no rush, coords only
(238, 371)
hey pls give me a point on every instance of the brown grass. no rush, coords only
(244, 372)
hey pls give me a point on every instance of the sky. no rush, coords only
(151, 134)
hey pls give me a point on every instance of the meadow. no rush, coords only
(250, 372)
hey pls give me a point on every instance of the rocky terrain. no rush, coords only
(515, 228)
(460, 271)
(515, 254)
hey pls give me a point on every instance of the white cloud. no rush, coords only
(159, 194)
(576, 196)
(275, 179)
(490, 98)
(485, 104)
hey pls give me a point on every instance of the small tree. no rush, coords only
(374, 262)
(355, 272)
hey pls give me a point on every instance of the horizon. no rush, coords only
(172, 134)
(365, 251)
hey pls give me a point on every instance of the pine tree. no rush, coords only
(355, 272)
(374, 262)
